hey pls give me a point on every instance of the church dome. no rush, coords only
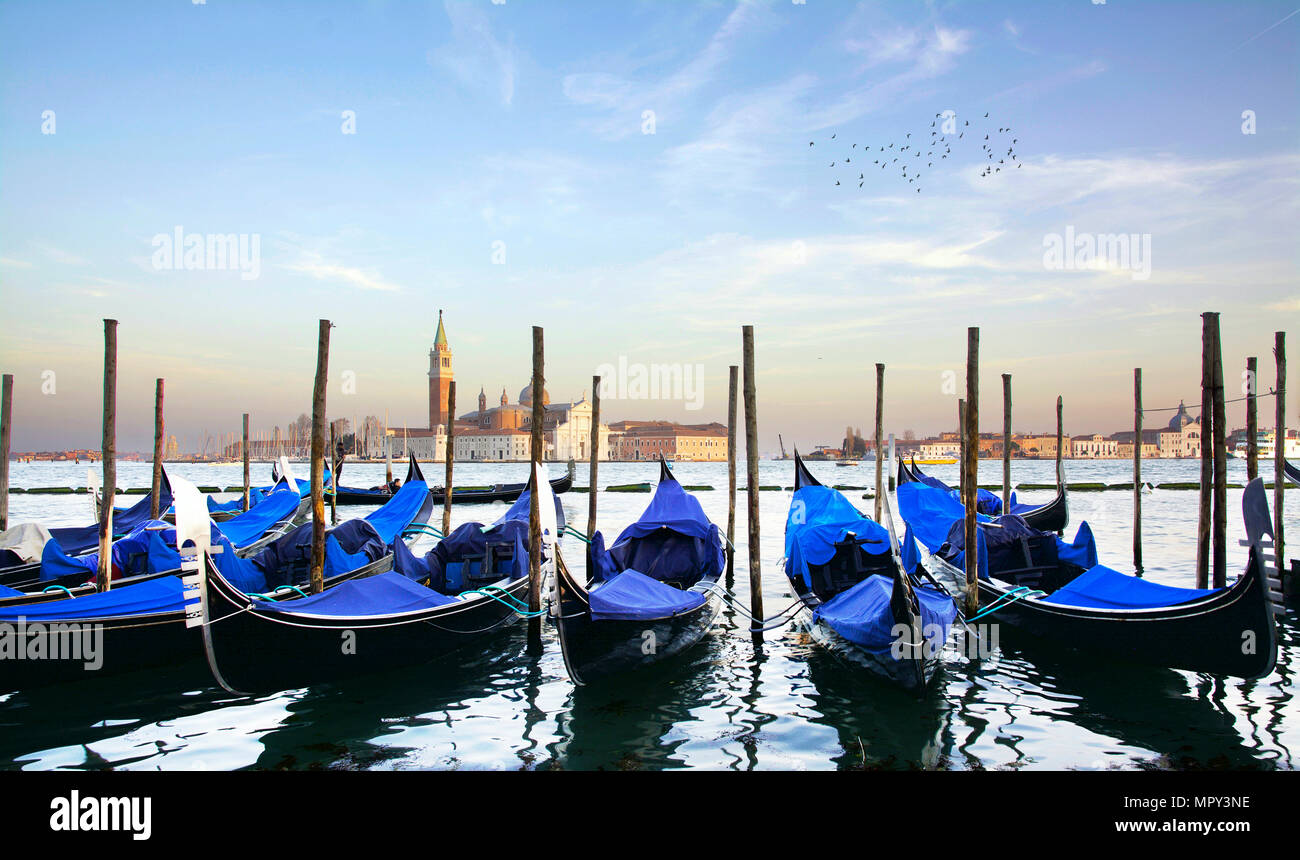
(526, 396)
(1181, 418)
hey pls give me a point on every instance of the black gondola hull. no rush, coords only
(1053, 516)
(600, 649)
(254, 651)
(94, 648)
(1229, 633)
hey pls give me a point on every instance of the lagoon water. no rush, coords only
(722, 705)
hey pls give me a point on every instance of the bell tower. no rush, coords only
(440, 376)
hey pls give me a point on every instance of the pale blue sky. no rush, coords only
(522, 123)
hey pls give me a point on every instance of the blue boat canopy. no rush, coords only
(862, 614)
(144, 598)
(819, 518)
(383, 594)
(248, 527)
(82, 538)
(633, 596)
(1100, 587)
(671, 540)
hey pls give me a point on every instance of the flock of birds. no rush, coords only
(906, 154)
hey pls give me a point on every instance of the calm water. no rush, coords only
(723, 705)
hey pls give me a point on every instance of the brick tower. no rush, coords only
(440, 376)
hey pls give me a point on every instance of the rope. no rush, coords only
(58, 588)
(1020, 593)
(1196, 406)
(507, 598)
(423, 528)
(570, 530)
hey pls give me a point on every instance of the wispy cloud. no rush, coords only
(475, 57)
(323, 270)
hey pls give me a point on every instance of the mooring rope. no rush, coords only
(1019, 593)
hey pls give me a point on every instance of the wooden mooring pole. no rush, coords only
(1220, 464)
(244, 451)
(1279, 461)
(450, 456)
(318, 459)
(972, 435)
(6, 428)
(104, 577)
(879, 441)
(751, 474)
(155, 510)
(1252, 418)
(733, 374)
(1006, 443)
(537, 456)
(1207, 455)
(1137, 470)
(595, 456)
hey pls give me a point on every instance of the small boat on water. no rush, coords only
(140, 622)
(1053, 516)
(868, 604)
(1291, 471)
(470, 586)
(466, 496)
(653, 594)
(1031, 578)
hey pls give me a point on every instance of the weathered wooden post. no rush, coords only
(1207, 454)
(6, 428)
(1279, 457)
(751, 471)
(879, 440)
(450, 457)
(318, 459)
(104, 577)
(733, 373)
(595, 456)
(154, 504)
(1252, 419)
(972, 467)
(244, 451)
(1006, 443)
(537, 456)
(1137, 470)
(1220, 465)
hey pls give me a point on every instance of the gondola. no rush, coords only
(411, 615)
(475, 496)
(856, 601)
(248, 533)
(651, 595)
(1053, 516)
(140, 622)
(79, 540)
(1056, 590)
(1292, 472)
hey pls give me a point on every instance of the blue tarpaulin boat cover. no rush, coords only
(1103, 588)
(149, 548)
(384, 594)
(929, 512)
(633, 596)
(257, 494)
(143, 598)
(80, 539)
(671, 540)
(6, 591)
(248, 527)
(819, 518)
(862, 615)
